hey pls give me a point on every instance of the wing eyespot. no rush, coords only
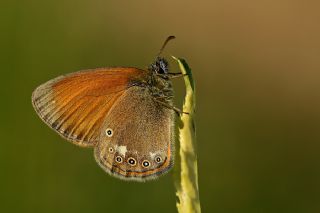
(131, 161)
(145, 163)
(111, 149)
(158, 159)
(119, 159)
(109, 132)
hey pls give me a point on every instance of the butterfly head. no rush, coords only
(159, 66)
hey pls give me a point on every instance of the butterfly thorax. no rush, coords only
(159, 82)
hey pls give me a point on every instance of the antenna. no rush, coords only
(165, 43)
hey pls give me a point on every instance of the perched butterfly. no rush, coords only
(126, 114)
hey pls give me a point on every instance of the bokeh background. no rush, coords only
(256, 65)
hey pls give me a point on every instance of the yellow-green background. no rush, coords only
(257, 70)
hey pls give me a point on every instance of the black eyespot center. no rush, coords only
(110, 149)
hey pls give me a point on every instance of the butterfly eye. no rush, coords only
(119, 159)
(111, 150)
(158, 159)
(145, 164)
(132, 161)
(109, 132)
(163, 65)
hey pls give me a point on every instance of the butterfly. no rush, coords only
(125, 114)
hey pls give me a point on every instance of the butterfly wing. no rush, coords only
(75, 105)
(137, 138)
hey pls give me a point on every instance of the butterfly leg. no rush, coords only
(177, 110)
(176, 75)
(172, 75)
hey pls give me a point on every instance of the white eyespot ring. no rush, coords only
(119, 159)
(131, 161)
(145, 163)
(109, 132)
(158, 159)
(110, 149)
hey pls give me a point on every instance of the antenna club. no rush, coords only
(165, 43)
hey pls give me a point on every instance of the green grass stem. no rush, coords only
(186, 170)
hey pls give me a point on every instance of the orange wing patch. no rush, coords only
(76, 105)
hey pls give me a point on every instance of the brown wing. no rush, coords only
(75, 105)
(140, 130)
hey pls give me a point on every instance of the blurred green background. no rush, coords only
(257, 69)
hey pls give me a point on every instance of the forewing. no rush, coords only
(142, 130)
(75, 105)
